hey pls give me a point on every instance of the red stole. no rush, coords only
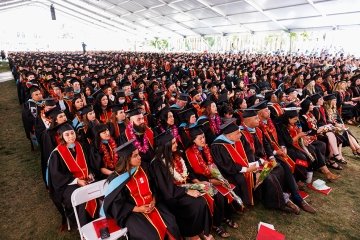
(322, 112)
(199, 166)
(148, 134)
(270, 133)
(140, 192)
(293, 131)
(238, 155)
(250, 139)
(78, 167)
(105, 116)
(279, 111)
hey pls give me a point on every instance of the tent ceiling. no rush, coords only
(207, 17)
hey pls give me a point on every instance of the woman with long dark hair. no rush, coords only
(299, 146)
(210, 120)
(170, 174)
(102, 108)
(130, 199)
(103, 152)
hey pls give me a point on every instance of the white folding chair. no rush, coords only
(87, 193)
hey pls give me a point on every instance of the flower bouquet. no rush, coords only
(202, 187)
(215, 173)
(268, 167)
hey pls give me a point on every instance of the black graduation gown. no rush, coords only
(271, 190)
(209, 134)
(119, 205)
(111, 127)
(230, 170)
(96, 162)
(192, 214)
(29, 113)
(60, 191)
(48, 144)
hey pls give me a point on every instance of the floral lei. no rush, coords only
(144, 147)
(110, 159)
(215, 123)
(201, 161)
(179, 171)
(174, 131)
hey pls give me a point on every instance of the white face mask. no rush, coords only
(121, 101)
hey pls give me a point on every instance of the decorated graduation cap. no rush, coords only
(126, 149)
(163, 138)
(261, 105)
(315, 98)
(229, 126)
(195, 131)
(86, 109)
(329, 97)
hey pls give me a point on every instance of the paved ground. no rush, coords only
(6, 76)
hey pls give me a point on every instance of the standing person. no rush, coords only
(130, 199)
(170, 173)
(83, 47)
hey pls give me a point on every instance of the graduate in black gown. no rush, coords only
(131, 199)
(68, 169)
(117, 123)
(170, 172)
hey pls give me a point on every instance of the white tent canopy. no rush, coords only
(182, 18)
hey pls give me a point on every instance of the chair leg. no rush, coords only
(68, 224)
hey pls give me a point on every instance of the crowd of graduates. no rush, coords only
(182, 139)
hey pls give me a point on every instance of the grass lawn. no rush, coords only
(4, 66)
(27, 212)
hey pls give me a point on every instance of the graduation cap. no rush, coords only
(229, 126)
(49, 101)
(133, 112)
(329, 97)
(307, 81)
(126, 149)
(168, 84)
(186, 114)
(261, 105)
(193, 93)
(305, 104)
(94, 94)
(86, 109)
(315, 98)
(52, 113)
(206, 103)
(117, 107)
(34, 88)
(74, 80)
(183, 97)
(250, 112)
(290, 90)
(163, 138)
(195, 131)
(61, 128)
(223, 98)
(268, 94)
(120, 93)
(69, 90)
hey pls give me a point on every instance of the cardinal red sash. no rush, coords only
(199, 166)
(322, 112)
(250, 139)
(139, 188)
(148, 134)
(105, 116)
(238, 155)
(78, 167)
(270, 133)
(279, 111)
